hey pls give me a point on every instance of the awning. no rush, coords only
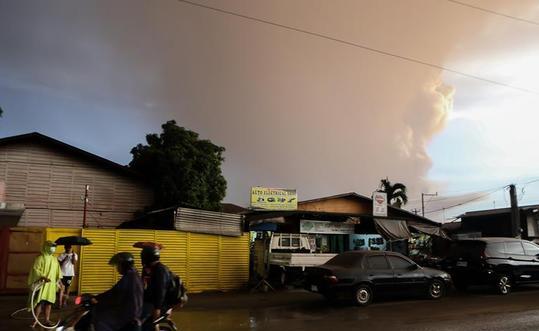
(264, 227)
(429, 229)
(392, 229)
(398, 229)
(10, 214)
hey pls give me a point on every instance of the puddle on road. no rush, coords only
(275, 318)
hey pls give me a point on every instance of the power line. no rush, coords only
(364, 47)
(490, 11)
(465, 202)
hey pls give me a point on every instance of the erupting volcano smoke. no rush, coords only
(293, 110)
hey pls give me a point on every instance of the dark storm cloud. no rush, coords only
(292, 110)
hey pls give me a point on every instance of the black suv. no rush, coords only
(499, 262)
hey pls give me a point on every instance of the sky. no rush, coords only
(292, 110)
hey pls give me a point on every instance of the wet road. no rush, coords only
(478, 310)
(299, 310)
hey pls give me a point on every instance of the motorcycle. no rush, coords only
(80, 318)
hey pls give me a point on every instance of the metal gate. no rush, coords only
(205, 262)
(19, 248)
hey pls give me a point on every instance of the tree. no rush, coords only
(183, 169)
(396, 193)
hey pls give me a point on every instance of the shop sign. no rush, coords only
(323, 227)
(274, 198)
(379, 204)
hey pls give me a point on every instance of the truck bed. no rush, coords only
(299, 259)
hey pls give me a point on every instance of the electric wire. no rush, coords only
(466, 202)
(490, 11)
(358, 45)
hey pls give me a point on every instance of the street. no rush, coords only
(299, 310)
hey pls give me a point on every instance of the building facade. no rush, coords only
(46, 179)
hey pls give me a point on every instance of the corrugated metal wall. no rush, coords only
(205, 262)
(50, 183)
(203, 221)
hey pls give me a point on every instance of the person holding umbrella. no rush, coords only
(68, 260)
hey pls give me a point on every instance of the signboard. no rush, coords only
(322, 227)
(379, 204)
(274, 198)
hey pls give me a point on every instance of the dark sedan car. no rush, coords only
(361, 275)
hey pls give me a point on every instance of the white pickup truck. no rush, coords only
(291, 253)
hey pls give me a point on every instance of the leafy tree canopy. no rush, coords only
(396, 193)
(183, 169)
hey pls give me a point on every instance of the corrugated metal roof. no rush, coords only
(497, 211)
(41, 138)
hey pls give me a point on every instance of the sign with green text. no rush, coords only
(274, 198)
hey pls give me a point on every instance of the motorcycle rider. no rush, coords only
(157, 281)
(120, 307)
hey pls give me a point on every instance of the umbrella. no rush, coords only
(73, 241)
(142, 244)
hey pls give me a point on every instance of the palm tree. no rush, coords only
(396, 193)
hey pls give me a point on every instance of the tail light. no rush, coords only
(483, 255)
(78, 300)
(331, 279)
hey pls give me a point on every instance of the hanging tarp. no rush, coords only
(429, 229)
(392, 229)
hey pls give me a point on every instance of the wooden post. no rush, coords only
(86, 189)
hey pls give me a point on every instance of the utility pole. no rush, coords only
(423, 195)
(86, 189)
(515, 212)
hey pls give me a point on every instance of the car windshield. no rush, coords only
(345, 260)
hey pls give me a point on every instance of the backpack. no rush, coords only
(177, 292)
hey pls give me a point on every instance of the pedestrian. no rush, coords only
(45, 269)
(68, 260)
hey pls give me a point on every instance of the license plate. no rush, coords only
(462, 263)
(314, 288)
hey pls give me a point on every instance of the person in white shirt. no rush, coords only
(68, 260)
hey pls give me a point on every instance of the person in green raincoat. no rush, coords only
(46, 268)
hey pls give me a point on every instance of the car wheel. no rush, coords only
(363, 295)
(503, 284)
(436, 289)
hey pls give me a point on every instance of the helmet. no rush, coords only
(150, 254)
(122, 259)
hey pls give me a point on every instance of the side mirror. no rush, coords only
(413, 267)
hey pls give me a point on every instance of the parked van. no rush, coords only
(499, 262)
